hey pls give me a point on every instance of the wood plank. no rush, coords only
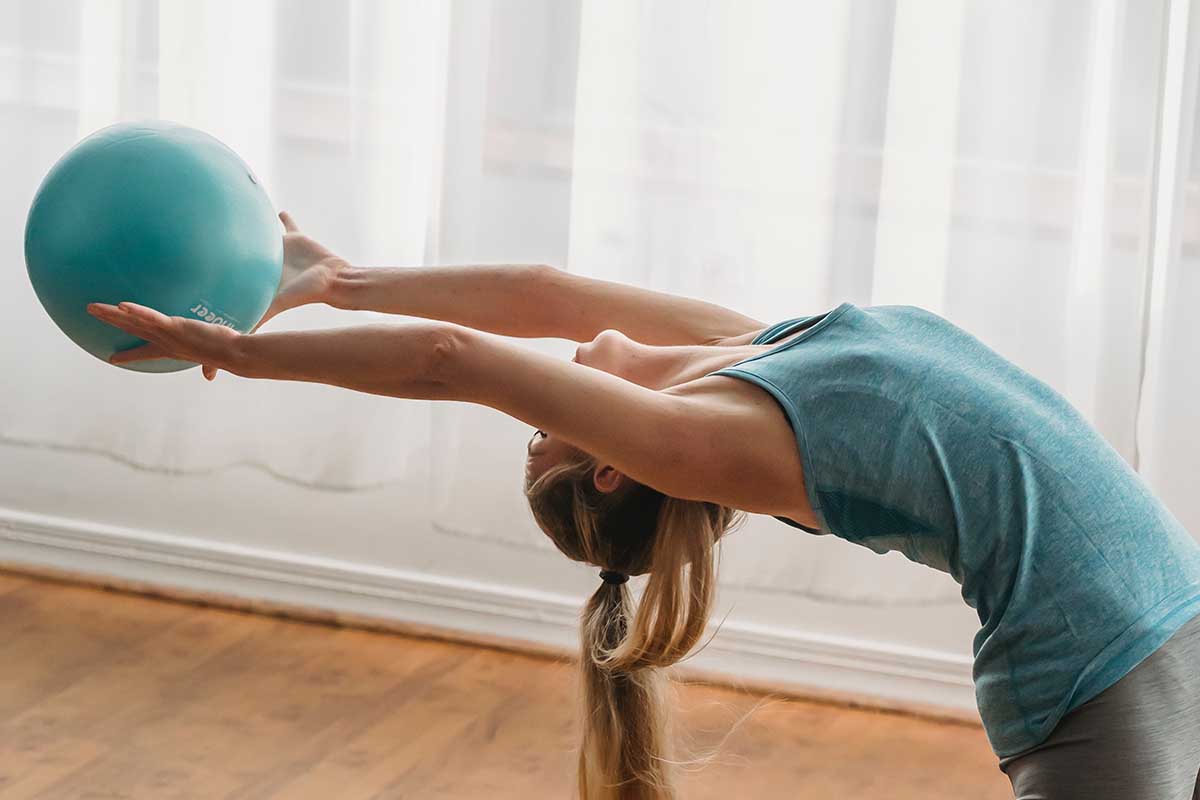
(53, 635)
(10, 581)
(28, 768)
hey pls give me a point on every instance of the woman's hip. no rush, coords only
(1139, 739)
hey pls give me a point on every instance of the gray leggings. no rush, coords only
(1139, 739)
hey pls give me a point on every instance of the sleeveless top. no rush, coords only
(915, 436)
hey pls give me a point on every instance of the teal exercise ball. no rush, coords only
(157, 214)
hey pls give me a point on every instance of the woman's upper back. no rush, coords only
(915, 436)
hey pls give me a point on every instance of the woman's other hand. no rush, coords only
(309, 270)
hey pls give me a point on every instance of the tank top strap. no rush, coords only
(782, 329)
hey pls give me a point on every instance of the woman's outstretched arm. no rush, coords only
(673, 443)
(641, 432)
(524, 300)
(535, 300)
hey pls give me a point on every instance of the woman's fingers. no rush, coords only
(144, 313)
(289, 224)
(126, 319)
(143, 352)
(134, 313)
(143, 322)
(209, 372)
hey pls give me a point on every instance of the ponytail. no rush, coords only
(626, 751)
(627, 734)
(626, 742)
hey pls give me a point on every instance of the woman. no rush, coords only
(886, 426)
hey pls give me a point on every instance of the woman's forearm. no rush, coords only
(507, 299)
(397, 360)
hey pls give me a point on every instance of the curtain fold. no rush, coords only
(1168, 425)
(1000, 164)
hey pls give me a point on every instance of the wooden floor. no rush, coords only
(111, 695)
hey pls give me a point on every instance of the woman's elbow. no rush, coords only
(443, 375)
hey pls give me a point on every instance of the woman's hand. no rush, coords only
(309, 270)
(215, 346)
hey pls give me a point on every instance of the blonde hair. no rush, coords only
(626, 751)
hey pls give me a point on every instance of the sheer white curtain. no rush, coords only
(1025, 169)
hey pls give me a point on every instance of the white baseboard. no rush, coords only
(857, 670)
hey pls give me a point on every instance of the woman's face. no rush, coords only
(542, 452)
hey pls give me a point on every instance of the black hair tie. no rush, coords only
(609, 576)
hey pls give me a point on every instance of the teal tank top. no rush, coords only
(916, 437)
